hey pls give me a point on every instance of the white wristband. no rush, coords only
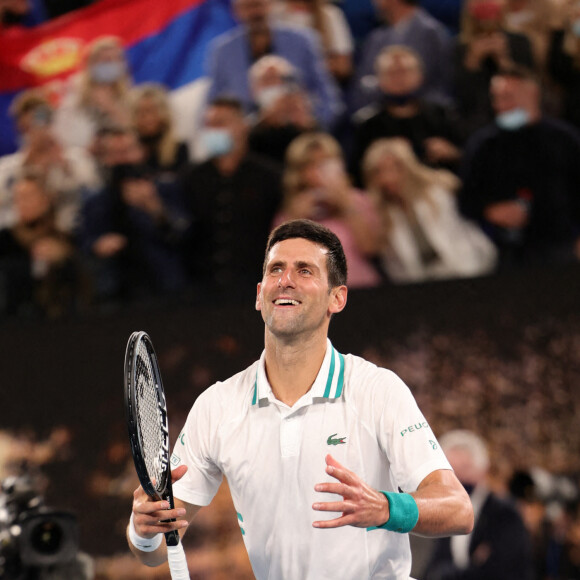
(143, 544)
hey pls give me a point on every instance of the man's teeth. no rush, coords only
(282, 301)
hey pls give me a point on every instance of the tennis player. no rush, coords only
(328, 458)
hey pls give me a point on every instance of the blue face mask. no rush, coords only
(107, 72)
(576, 27)
(513, 120)
(216, 142)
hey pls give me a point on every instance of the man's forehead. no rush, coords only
(297, 250)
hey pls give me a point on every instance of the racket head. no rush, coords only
(147, 416)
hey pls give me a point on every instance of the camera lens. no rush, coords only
(46, 537)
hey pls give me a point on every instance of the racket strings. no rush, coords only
(148, 415)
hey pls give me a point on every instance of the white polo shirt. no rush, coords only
(273, 455)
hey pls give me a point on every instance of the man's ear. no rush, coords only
(259, 297)
(338, 297)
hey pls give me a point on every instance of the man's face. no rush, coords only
(399, 75)
(464, 466)
(252, 13)
(509, 93)
(30, 201)
(294, 297)
(226, 118)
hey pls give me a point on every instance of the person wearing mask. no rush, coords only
(423, 235)
(483, 47)
(405, 23)
(499, 546)
(521, 177)
(400, 111)
(232, 198)
(284, 109)
(231, 55)
(96, 97)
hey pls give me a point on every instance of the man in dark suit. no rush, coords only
(499, 548)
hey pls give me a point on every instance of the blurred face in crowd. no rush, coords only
(107, 65)
(30, 200)
(399, 74)
(38, 119)
(388, 176)
(487, 11)
(465, 466)
(510, 92)
(224, 130)
(20, 7)
(149, 119)
(121, 148)
(253, 13)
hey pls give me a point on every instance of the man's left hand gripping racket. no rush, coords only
(149, 435)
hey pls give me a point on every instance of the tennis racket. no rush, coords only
(149, 435)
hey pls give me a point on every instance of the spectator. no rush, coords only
(67, 171)
(533, 19)
(153, 122)
(483, 47)
(97, 96)
(564, 61)
(409, 25)
(40, 272)
(521, 177)
(317, 187)
(284, 109)
(499, 546)
(330, 23)
(424, 237)
(115, 146)
(133, 232)
(401, 111)
(232, 198)
(232, 54)
(27, 13)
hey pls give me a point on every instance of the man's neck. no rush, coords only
(228, 164)
(292, 367)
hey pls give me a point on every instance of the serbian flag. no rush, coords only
(165, 41)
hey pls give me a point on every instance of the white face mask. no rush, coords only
(268, 96)
(107, 72)
(575, 27)
(216, 142)
(513, 120)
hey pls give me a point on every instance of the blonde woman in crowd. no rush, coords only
(317, 187)
(330, 23)
(98, 96)
(153, 121)
(423, 237)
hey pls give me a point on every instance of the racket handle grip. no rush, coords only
(177, 562)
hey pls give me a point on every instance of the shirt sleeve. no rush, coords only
(411, 446)
(193, 448)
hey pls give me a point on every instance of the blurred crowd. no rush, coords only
(432, 155)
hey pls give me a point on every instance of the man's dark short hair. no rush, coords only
(319, 234)
(517, 71)
(228, 102)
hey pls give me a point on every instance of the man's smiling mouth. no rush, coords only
(286, 302)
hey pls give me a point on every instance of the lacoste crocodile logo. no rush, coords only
(338, 441)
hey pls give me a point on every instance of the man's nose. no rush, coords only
(286, 279)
